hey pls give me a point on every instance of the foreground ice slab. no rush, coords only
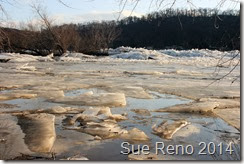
(91, 99)
(39, 131)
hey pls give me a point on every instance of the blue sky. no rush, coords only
(89, 10)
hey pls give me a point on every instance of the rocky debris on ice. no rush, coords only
(91, 99)
(39, 131)
(166, 130)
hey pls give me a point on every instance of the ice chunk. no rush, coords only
(49, 94)
(78, 55)
(187, 131)
(97, 122)
(10, 96)
(39, 131)
(105, 129)
(166, 130)
(26, 67)
(69, 59)
(134, 134)
(97, 114)
(48, 58)
(58, 110)
(193, 107)
(100, 99)
(130, 91)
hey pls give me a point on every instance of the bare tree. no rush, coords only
(63, 37)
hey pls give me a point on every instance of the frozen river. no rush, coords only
(82, 107)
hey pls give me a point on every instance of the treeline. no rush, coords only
(181, 29)
(87, 38)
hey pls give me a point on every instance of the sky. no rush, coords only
(80, 11)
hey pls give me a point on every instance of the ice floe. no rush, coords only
(39, 131)
(91, 99)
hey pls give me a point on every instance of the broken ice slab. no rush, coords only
(91, 99)
(26, 67)
(166, 131)
(193, 107)
(10, 96)
(202, 106)
(104, 129)
(39, 131)
(134, 135)
(130, 91)
(96, 114)
(62, 110)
